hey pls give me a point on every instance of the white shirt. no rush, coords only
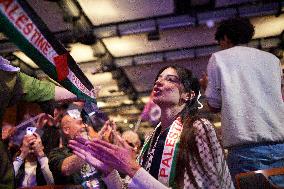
(246, 84)
(30, 171)
(30, 174)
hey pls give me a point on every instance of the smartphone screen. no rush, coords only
(30, 130)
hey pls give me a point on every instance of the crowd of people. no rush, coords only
(183, 151)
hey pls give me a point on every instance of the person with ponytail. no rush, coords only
(182, 152)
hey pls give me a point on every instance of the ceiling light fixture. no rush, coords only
(82, 53)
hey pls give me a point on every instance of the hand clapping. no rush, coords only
(81, 150)
(106, 156)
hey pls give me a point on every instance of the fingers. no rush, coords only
(77, 144)
(84, 152)
(113, 125)
(36, 135)
(82, 156)
(91, 159)
(37, 145)
(80, 140)
(118, 139)
(106, 125)
(102, 150)
(107, 155)
(74, 143)
(110, 158)
(102, 155)
(33, 141)
(104, 129)
(106, 132)
(78, 149)
(99, 153)
(29, 139)
(36, 138)
(81, 147)
(98, 142)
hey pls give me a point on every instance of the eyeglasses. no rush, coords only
(169, 78)
(130, 144)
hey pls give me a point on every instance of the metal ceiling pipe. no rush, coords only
(186, 53)
(171, 22)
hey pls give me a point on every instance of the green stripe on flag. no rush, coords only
(173, 168)
(17, 37)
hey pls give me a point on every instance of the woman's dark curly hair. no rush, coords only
(238, 30)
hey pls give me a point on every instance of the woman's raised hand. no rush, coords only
(121, 157)
(106, 132)
(37, 145)
(81, 150)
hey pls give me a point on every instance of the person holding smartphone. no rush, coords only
(31, 165)
(16, 86)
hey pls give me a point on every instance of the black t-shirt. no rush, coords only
(154, 169)
(56, 158)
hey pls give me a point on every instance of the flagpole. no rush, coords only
(137, 124)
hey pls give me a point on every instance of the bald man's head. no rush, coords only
(71, 127)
